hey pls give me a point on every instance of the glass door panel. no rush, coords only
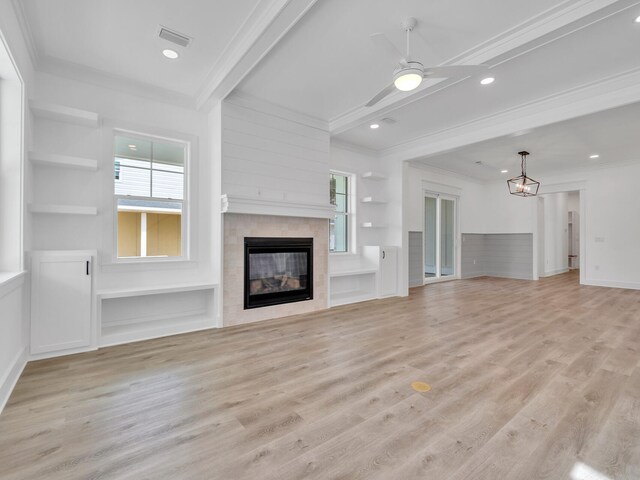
(430, 236)
(447, 239)
(439, 237)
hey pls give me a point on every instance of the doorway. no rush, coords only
(559, 233)
(440, 230)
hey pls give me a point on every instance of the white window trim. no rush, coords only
(351, 214)
(185, 224)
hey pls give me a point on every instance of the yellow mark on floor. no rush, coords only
(420, 386)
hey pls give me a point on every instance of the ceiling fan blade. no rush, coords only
(454, 71)
(383, 43)
(387, 90)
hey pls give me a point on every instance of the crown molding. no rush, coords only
(250, 102)
(263, 29)
(611, 92)
(563, 19)
(27, 34)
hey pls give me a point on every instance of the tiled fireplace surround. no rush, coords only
(236, 228)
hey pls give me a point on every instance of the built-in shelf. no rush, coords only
(373, 201)
(63, 161)
(374, 176)
(116, 328)
(351, 273)
(371, 225)
(134, 292)
(351, 297)
(62, 113)
(62, 209)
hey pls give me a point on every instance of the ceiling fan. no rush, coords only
(409, 73)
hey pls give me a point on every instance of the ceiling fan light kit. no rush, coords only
(408, 78)
(522, 185)
(409, 73)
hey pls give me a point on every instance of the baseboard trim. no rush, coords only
(11, 377)
(551, 273)
(613, 284)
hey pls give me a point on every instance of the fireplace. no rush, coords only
(277, 270)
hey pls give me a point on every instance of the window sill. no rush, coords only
(343, 254)
(147, 260)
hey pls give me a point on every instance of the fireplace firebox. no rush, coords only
(277, 270)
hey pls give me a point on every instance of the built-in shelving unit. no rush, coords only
(373, 201)
(63, 161)
(195, 310)
(62, 209)
(374, 176)
(352, 286)
(62, 113)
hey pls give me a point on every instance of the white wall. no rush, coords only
(14, 293)
(129, 112)
(556, 245)
(352, 160)
(611, 206)
(272, 155)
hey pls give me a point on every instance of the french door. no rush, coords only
(440, 221)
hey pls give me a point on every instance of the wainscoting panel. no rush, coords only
(416, 275)
(508, 255)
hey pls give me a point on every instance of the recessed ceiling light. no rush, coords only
(504, 171)
(637, 20)
(373, 126)
(594, 156)
(172, 54)
(487, 81)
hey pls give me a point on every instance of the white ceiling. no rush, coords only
(605, 48)
(563, 146)
(327, 63)
(120, 38)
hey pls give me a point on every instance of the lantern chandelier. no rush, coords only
(523, 186)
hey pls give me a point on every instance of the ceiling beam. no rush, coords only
(262, 30)
(612, 92)
(561, 20)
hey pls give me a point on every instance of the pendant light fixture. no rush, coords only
(523, 186)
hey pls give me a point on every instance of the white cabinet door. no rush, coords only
(388, 271)
(60, 301)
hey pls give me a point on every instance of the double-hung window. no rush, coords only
(149, 189)
(340, 192)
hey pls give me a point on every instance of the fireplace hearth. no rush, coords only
(277, 270)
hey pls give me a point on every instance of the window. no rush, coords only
(340, 192)
(149, 185)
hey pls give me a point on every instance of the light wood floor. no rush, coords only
(530, 380)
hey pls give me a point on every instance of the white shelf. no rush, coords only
(373, 201)
(62, 113)
(371, 225)
(351, 297)
(351, 273)
(129, 292)
(374, 176)
(63, 161)
(62, 209)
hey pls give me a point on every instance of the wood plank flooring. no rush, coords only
(529, 380)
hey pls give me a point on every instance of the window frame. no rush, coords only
(351, 211)
(184, 227)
